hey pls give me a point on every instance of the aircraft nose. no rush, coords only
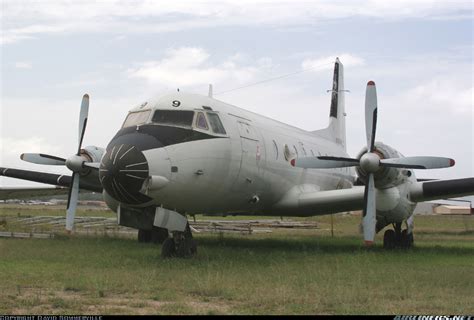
(123, 170)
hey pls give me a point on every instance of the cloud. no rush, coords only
(190, 66)
(32, 18)
(23, 65)
(15, 147)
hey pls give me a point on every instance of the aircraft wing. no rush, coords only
(333, 201)
(47, 178)
(24, 193)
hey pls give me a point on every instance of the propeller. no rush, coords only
(370, 162)
(75, 163)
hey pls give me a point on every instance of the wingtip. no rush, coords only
(452, 162)
(22, 156)
(86, 96)
(371, 83)
(368, 243)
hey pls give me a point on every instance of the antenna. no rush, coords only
(210, 91)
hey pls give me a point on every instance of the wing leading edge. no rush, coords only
(47, 178)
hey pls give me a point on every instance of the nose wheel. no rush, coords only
(181, 245)
(398, 238)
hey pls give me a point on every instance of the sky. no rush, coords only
(122, 53)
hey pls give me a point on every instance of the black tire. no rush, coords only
(187, 248)
(406, 241)
(389, 239)
(159, 235)
(193, 247)
(168, 249)
(144, 236)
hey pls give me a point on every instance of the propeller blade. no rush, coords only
(72, 201)
(370, 115)
(40, 158)
(418, 162)
(369, 219)
(324, 162)
(83, 120)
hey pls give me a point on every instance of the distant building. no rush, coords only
(446, 209)
(443, 207)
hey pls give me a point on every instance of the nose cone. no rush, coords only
(123, 170)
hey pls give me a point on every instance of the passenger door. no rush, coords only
(250, 180)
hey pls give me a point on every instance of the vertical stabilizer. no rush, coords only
(337, 115)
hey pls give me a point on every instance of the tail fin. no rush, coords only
(336, 130)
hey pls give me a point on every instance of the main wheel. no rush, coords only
(389, 239)
(406, 241)
(168, 249)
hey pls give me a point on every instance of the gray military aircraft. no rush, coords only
(186, 154)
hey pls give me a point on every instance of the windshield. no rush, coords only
(136, 118)
(216, 123)
(170, 117)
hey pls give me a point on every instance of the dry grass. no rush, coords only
(285, 272)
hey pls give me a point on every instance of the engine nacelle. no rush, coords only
(393, 205)
(385, 177)
(393, 188)
(91, 154)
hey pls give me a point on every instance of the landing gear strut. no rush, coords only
(181, 245)
(397, 238)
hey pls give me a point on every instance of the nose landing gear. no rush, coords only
(181, 245)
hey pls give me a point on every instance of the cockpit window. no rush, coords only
(216, 123)
(136, 118)
(175, 118)
(201, 121)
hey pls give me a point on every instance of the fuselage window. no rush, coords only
(201, 121)
(174, 118)
(216, 123)
(275, 149)
(136, 118)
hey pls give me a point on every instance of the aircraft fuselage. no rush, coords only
(240, 167)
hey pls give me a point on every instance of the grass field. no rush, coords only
(284, 272)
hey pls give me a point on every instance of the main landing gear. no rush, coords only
(398, 238)
(181, 245)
